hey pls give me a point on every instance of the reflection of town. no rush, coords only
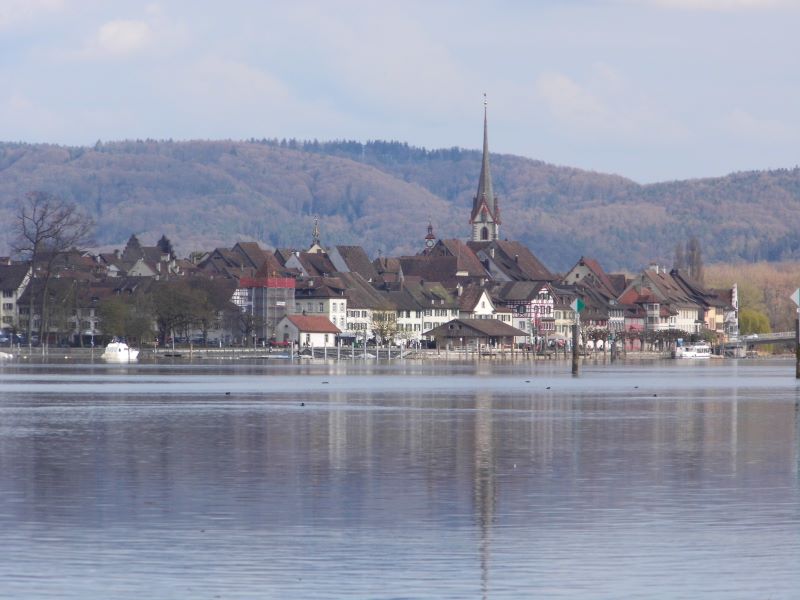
(479, 462)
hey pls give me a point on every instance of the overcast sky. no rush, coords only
(650, 89)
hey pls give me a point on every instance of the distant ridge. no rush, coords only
(203, 194)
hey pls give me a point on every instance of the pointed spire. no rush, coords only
(485, 207)
(485, 191)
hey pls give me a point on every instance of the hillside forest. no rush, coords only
(381, 195)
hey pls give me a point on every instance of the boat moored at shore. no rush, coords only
(699, 350)
(118, 351)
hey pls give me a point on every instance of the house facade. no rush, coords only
(308, 331)
(14, 279)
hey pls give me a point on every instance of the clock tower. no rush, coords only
(430, 239)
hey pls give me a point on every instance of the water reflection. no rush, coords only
(399, 482)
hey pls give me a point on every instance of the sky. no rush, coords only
(653, 90)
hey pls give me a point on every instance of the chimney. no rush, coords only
(491, 251)
(516, 258)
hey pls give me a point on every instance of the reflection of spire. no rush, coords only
(484, 483)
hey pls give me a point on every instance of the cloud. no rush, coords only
(121, 38)
(13, 12)
(383, 56)
(217, 97)
(742, 124)
(569, 102)
(717, 5)
(606, 105)
(39, 122)
(154, 34)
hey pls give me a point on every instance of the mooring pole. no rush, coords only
(797, 345)
(575, 328)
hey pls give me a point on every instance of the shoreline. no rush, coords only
(337, 354)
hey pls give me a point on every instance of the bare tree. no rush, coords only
(47, 228)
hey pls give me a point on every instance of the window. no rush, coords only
(326, 339)
(8, 306)
(8, 293)
(321, 307)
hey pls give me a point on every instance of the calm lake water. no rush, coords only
(249, 480)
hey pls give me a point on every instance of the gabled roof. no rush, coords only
(283, 254)
(360, 294)
(513, 259)
(475, 328)
(666, 288)
(12, 276)
(619, 281)
(403, 300)
(518, 291)
(598, 277)
(431, 294)
(271, 267)
(388, 269)
(354, 259)
(312, 264)
(431, 268)
(320, 287)
(254, 255)
(699, 293)
(470, 296)
(313, 324)
(466, 260)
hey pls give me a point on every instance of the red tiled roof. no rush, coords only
(313, 324)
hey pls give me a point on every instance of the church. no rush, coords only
(485, 216)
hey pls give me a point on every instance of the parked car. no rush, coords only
(279, 343)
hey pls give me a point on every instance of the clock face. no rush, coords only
(429, 243)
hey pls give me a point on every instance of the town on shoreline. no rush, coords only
(485, 294)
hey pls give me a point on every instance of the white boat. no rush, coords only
(700, 350)
(118, 351)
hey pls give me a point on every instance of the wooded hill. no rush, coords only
(203, 194)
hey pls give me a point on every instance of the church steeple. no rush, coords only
(430, 239)
(485, 216)
(315, 248)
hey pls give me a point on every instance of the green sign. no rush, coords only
(796, 297)
(578, 305)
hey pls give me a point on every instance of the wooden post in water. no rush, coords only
(575, 346)
(797, 345)
(796, 299)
